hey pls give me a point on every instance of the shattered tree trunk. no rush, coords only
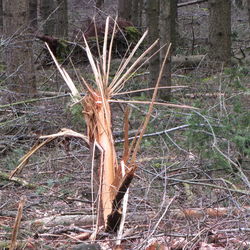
(98, 120)
(97, 112)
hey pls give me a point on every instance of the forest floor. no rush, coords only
(188, 192)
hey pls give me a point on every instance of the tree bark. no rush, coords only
(61, 28)
(161, 21)
(1, 14)
(220, 30)
(18, 52)
(47, 14)
(135, 12)
(124, 9)
(99, 4)
(33, 13)
(152, 15)
(165, 28)
(173, 27)
(248, 10)
(141, 15)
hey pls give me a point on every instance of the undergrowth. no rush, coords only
(222, 124)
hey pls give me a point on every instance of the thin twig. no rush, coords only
(240, 191)
(160, 219)
(33, 100)
(159, 132)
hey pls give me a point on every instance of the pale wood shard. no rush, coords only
(13, 242)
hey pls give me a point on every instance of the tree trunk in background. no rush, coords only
(152, 16)
(61, 28)
(99, 4)
(124, 9)
(47, 8)
(33, 13)
(248, 10)
(1, 14)
(141, 14)
(174, 16)
(18, 51)
(135, 12)
(220, 30)
(166, 33)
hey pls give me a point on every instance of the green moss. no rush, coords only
(132, 34)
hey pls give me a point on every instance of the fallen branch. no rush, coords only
(160, 132)
(240, 191)
(191, 60)
(190, 3)
(201, 95)
(33, 100)
(179, 60)
(80, 220)
(52, 221)
(24, 183)
(156, 133)
(64, 132)
(211, 212)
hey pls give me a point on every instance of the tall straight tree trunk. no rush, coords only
(141, 7)
(152, 14)
(47, 14)
(124, 9)
(248, 10)
(18, 52)
(173, 16)
(166, 30)
(161, 23)
(135, 12)
(1, 14)
(61, 28)
(137, 7)
(220, 30)
(33, 13)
